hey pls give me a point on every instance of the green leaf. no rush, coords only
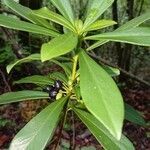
(36, 79)
(26, 13)
(135, 22)
(101, 95)
(63, 66)
(19, 9)
(30, 58)
(58, 46)
(137, 36)
(97, 44)
(79, 26)
(111, 70)
(100, 24)
(102, 134)
(77, 91)
(36, 134)
(10, 22)
(13, 97)
(52, 16)
(133, 116)
(127, 26)
(94, 10)
(59, 76)
(65, 9)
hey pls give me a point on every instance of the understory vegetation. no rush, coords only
(74, 74)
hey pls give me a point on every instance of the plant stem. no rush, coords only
(75, 61)
(5, 81)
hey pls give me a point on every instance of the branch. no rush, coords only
(5, 81)
(121, 70)
(61, 128)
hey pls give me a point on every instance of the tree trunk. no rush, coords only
(33, 4)
(128, 47)
(117, 46)
(125, 56)
(25, 37)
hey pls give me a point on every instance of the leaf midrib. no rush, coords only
(27, 26)
(61, 44)
(34, 135)
(60, 19)
(98, 128)
(95, 79)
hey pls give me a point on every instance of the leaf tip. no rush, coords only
(43, 56)
(118, 135)
(8, 69)
(43, 59)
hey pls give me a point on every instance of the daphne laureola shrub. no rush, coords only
(85, 87)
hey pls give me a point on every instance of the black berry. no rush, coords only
(58, 84)
(48, 88)
(53, 90)
(52, 93)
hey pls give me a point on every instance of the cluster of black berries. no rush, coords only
(53, 89)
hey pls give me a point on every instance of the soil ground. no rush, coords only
(15, 116)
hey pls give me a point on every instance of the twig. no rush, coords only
(61, 128)
(5, 81)
(73, 133)
(121, 70)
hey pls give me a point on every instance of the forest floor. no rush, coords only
(14, 116)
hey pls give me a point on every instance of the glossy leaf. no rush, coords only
(13, 97)
(63, 66)
(101, 95)
(36, 79)
(36, 134)
(97, 44)
(58, 46)
(127, 26)
(64, 58)
(135, 22)
(95, 9)
(12, 23)
(58, 76)
(19, 9)
(79, 26)
(77, 91)
(133, 116)
(102, 134)
(52, 16)
(65, 9)
(100, 24)
(137, 36)
(30, 58)
(26, 13)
